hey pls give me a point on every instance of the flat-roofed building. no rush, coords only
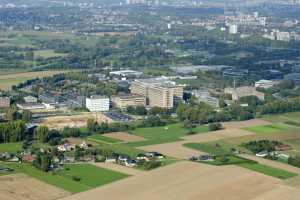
(161, 97)
(4, 102)
(159, 92)
(97, 103)
(264, 84)
(30, 99)
(125, 100)
(244, 91)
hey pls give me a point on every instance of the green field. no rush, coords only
(91, 176)
(48, 54)
(267, 170)
(101, 139)
(210, 148)
(12, 147)
(273, 128)
(164, 134)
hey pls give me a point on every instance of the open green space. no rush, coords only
(12, 147)
(164, 134)
(90, 176)
(48, 54)
(272, 128)
(101, 138)
(267, 170)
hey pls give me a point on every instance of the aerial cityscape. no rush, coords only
(150, 99)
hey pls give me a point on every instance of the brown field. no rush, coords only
(174, 149)
(120, 168)
(244, 124)
(126, 137)
(217, 135)
(193, 181)
(23, 187)
(59, 122)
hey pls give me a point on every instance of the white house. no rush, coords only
(97, 103)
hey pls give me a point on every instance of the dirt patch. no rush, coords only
(217, 135)
(175, 149)
(120, 168)
(191, 181)
(59, 122)
(126, 137)
(244, 124)
(23, 187)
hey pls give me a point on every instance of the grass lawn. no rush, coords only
(273, 128)
(164, 134)
(91, 176)
(12, 147)
(267, 170)
(101, 138)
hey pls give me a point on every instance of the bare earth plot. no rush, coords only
(244, 124)
(126, 137)
(175, 149)
(120, 168)
(192, 181)
(59, 122)
(217, 135)
(23, 187)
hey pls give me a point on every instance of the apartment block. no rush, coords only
(159, 92)
(97, 103)
(125, 100)
(4, 102)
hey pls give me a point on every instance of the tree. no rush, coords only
(42, 134)
(92, 125)
(26, 116)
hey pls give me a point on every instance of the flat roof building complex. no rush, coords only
(159, 92)
(123, 101)
(244, 91)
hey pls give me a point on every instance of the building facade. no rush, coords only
(244, 91)
(4, 102)
(123, 101)
(97, 104)
(159, 92)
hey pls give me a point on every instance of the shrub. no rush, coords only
(215, 126)
(76, 178)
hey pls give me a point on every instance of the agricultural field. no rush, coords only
(8, 80)
(200, 181)
(165, 134)
(102, 139)
(23, 187)
(89, 176)
(48, 54)
(225, 157)
(272, 128)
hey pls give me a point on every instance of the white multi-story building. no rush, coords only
(97, 103)
(233, 29)
(264, 84)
